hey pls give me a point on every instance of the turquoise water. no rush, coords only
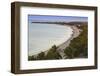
(44, 36)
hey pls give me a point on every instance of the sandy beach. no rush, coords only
(76, 32)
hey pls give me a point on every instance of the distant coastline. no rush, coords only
(63, 23)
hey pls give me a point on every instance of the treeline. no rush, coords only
(78, 48)
(51, 54)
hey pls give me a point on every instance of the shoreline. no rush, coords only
(76, 32)
(61, 47)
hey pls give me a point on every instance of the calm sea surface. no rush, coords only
(44, 36)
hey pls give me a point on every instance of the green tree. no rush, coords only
(31, 58)
(53, 54)
(41, 56)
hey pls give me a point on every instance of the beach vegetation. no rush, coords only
(78, 46)
(53, 53)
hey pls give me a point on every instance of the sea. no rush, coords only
(42, 36)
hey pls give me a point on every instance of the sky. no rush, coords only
(49, 18)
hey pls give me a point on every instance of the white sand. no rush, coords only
(75, 34)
